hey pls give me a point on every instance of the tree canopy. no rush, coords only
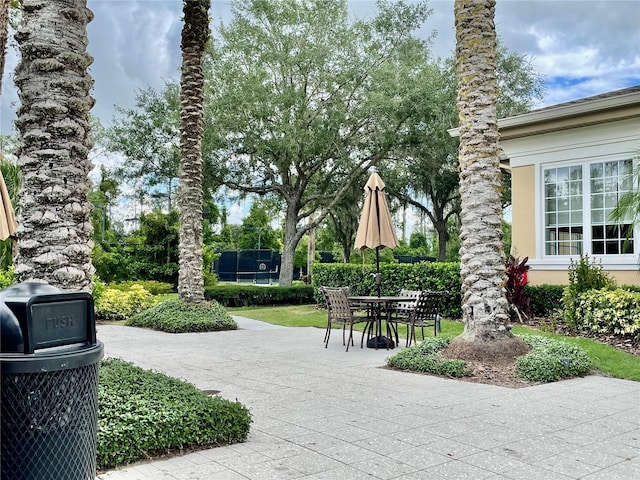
(297, 118)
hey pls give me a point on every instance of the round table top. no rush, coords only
(382, 298)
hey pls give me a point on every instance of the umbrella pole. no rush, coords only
(378, 279)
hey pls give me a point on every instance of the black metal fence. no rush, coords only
(248, 266)
(263, 266)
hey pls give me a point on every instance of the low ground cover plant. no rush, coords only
(425, 357)
(175, 316)
(549, 360)
(143, 413)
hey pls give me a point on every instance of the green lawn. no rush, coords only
(606, 359)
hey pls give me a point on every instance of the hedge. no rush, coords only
(545, 299)
(238, 295)
(395, 276)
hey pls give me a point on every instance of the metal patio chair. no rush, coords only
(341, 312)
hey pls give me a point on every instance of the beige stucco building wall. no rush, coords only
(523, 238)
(603, 128)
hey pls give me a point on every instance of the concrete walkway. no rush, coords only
(325, 414)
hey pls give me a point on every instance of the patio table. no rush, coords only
(381, 302)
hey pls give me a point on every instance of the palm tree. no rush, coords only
(4, 31)
(485, 308)
(53, 121)
(195, 35)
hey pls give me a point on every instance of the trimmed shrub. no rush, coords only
(360, 279)
(6, 278)
(545, 299)
(176, 316)
(143, 413)
(425, 357)
(152, 286)
(610, 311)
(238, 295)
(115, 305)
(551, 360)
(584, 275)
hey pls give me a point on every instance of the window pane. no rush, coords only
(611, 169)
(575, 203)
(562, 175)
(626, 184)
(551, 219)
(612, 247)
(576, 217)
(575, 188)
(597, 186)
(607, 214)
(576, 173)
(577, 248)
(597, 233)
(550, 176)
(563, 218)
(627, 230)
(597, 201)
(576, 233)
(550, 205)
(597, 247)
(625, 167)
(611, 200)
(611, 185)
(550, 190)
(550, 249)
(597, 216)
(563, 205)
(627, 246)
(596, 170)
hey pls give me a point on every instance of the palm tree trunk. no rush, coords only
(4, 31)
(54, 224)
(482, 268)
(195, 35)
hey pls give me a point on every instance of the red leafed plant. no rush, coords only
(516, 281)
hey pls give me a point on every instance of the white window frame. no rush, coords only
(625, 261)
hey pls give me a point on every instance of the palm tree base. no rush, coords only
(506, 348)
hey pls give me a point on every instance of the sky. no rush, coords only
(581, 47)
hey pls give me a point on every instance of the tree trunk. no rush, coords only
(195, 35)
(287, 260)
(291, 239)
(53, 120)
(4, 32)
(443, 237)
(482, 268)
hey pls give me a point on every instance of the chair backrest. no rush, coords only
(337, 302)
(408, 305)
(427, 307)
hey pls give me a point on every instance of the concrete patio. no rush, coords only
(325, 414)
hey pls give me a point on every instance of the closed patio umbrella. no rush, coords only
(8, 225)
(375, 229)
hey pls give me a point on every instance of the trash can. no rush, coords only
(49, 360)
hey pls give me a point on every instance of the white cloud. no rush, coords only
(236, 212)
